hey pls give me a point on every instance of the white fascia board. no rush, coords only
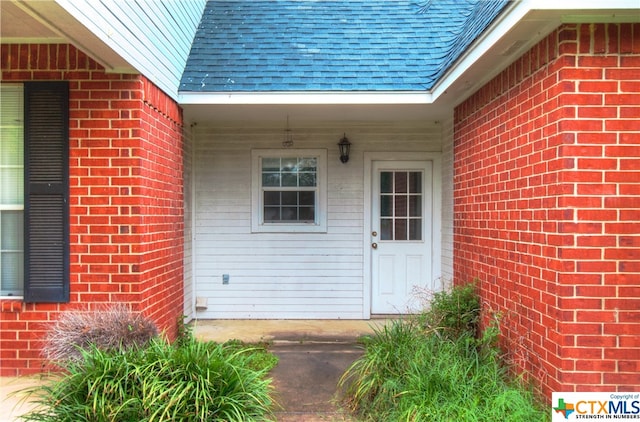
(313, 98)
(581, 5)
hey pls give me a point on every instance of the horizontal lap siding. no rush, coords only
(286, 275)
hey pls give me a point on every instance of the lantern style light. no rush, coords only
(345, 147)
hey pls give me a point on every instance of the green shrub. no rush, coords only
(113, 328)
(195, 381)
(433, 368)
(453, 313)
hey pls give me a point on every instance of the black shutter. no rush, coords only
(46, 195)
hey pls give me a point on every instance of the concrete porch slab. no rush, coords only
(255, 331)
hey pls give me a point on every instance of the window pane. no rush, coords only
(308, 164)
(289, 179)
(386, 206)
(289, 213)
(386, 229)
(307, 214)
(271, 214)
(271, 164)
(307, 198)
(12, 152)
(415, 206)
(400, 206)
(289, 198)
(11, 230)
(307, 179)
(415, 182)
(271, 198)
(289, 164)
(386, 182)
(401, 229)
(11, 186)
(401, 182)
(415, 229)
(12, 105)
(12, 274)
(271, 179)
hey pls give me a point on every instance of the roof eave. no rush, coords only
(306, 97)
(521, 25)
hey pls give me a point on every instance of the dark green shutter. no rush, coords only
(46, 194)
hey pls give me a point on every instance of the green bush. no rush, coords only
(453, 313)
(434, 368)
(112, 328)
(195, 381)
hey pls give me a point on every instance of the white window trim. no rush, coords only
(18, 295)
(257, 209)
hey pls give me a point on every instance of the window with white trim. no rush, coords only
(34, 191)
(11, 190)
(289, 190)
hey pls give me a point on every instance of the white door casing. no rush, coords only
(402, 230)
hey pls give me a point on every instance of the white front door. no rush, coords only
(401, 235)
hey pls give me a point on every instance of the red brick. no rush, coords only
(596, 365)
(621, 353)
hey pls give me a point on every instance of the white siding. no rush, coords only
(286, 275)
(153, 36)
(189, 299)
(447, 202)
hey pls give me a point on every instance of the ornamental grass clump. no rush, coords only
(113, 328)
(195, 381)
(435, 368)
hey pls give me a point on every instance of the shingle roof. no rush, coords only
(317, 45)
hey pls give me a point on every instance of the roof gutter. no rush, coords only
(301, 97)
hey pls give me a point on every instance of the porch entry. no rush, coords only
(401, 234)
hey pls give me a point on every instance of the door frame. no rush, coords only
(436, 229)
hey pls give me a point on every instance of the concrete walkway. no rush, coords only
(313, 355)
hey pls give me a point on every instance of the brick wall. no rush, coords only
(547, 207)
(126, 198)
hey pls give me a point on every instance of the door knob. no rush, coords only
(374, 245)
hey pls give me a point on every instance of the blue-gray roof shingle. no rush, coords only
(317, 45)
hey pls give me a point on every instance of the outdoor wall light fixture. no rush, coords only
(344, 146)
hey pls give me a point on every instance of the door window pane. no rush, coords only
(415, 206)
(415, 229)
(400, 182)
(415, 182)
(386, 229)
(400, 229)
(386, 182)
(401, 205)
(386, 206)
